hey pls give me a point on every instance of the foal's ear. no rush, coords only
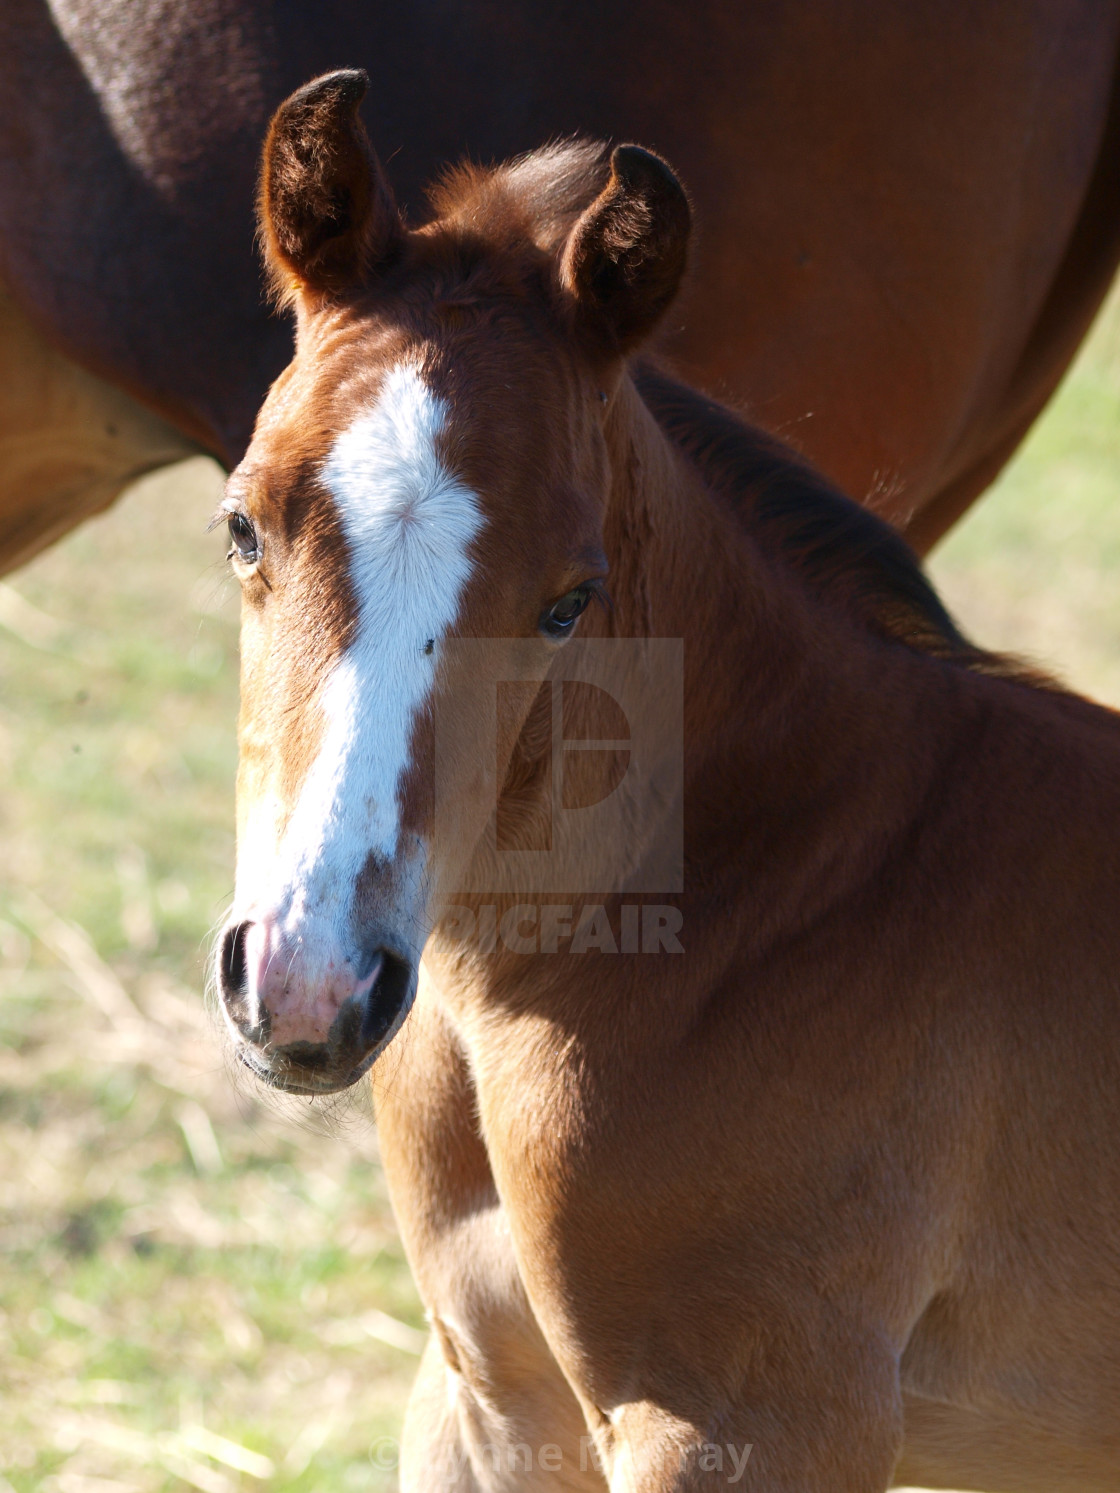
(327, 215)
(625, 256)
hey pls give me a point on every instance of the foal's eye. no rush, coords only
(561, 615)
(244, 539)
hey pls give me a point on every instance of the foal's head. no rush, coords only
(432, 466)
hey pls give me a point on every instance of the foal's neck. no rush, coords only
(807, 738)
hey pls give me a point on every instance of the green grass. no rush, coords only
(183, 1258)
(1034, 568)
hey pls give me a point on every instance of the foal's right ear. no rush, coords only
(327, 216)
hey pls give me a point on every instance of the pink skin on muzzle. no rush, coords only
(301, 995)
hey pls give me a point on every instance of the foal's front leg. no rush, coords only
(832, 1427)
(490, 1411)
(493, 1417)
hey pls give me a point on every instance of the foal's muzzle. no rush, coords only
(310, 1040)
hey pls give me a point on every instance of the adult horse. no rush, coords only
(804, 1177)
(907, 213)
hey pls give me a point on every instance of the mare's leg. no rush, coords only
(490, 1409)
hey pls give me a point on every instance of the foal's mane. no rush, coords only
(839, 548)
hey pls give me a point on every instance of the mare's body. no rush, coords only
(907, 214)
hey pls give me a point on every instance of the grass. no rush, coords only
(181, 1259)
(1034, 568)
(200, 1288)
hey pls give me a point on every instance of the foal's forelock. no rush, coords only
(408, 524)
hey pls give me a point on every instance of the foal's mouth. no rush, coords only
(295, 1078)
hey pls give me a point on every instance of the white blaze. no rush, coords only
(408, 524)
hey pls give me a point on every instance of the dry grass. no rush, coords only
(200, 1288)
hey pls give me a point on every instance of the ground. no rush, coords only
(201, 1286)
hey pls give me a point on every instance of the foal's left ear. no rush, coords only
(625, 256)
(327, 215)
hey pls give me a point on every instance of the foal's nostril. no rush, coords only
(382, 1004)
(232, 965)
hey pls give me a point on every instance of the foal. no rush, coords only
(767, 1133)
